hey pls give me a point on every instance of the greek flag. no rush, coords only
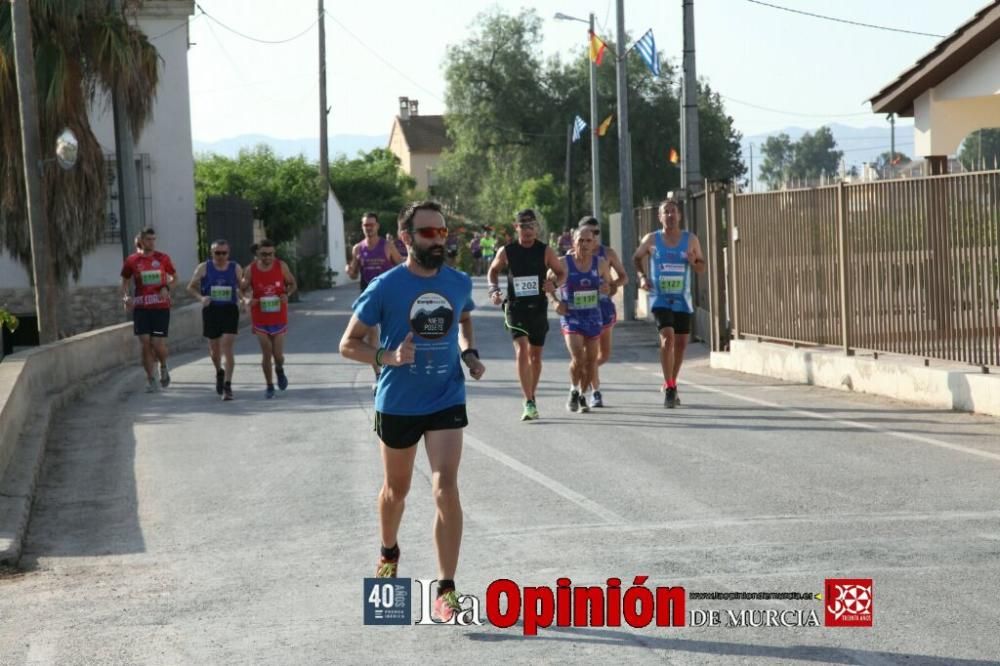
(578, 126)
(646, 46)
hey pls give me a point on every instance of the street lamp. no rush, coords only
(594, 149)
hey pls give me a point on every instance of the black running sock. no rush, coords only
(229, 385)
(391, 553)
(445, 586)
(280, 369)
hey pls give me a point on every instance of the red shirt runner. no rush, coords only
(149, 272)
(268, 287)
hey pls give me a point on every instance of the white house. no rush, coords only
(952, 91)
(164, 156)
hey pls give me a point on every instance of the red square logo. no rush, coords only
(848, 602)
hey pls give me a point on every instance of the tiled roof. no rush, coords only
(424, 134)
(951, 54)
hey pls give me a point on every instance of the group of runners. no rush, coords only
(222, 286)
(412, 324)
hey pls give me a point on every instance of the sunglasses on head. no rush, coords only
(432, 232)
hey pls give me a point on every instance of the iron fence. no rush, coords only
(914, 264)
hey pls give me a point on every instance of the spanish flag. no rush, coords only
(597, 48)
(674, 157)
(603, 129)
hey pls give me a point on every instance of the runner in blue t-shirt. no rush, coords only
(423, 309)
(674, 254)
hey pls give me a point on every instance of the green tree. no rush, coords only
(778, 152)
(81, 49)
(981, 149)
(508, 114)
(371, 182)
(816, 154)
(285, 193)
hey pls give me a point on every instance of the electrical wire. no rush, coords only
(255, 39)
(795, 113)
(847, 21)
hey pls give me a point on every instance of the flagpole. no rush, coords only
(595, 164)
(569, 182)
(625, 167)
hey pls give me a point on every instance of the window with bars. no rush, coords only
(112, 227)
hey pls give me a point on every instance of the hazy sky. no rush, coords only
(378, 50)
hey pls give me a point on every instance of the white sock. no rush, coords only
(575, 387)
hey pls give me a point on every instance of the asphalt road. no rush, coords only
(179, 529)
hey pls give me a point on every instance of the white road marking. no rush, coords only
(541, 479)
(854, 424)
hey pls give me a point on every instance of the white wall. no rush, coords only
(966, 101)
(167, 140)
(336, 253)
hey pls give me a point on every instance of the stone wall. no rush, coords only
(89, 307)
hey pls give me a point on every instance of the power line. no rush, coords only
(795, 113)
(847, 21)
(255, 39)
(183, 24)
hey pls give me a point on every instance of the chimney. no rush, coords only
(413, 107)
(404, 108)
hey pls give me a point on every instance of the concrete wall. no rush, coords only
(28, 377)
(337, 252)
(940, 385)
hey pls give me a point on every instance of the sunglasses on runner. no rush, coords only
(220, 253)
(266, 254)
(432, 232)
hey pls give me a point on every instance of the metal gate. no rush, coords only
(231, 218)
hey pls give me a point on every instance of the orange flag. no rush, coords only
(597, 48)
(603, 129)
(674, 157)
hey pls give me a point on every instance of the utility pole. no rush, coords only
(569, 176)
(128, 181)
(691, 173)
(595, 163)
(892, 145)
(324, 156)
(751, 168)
(38, 226)
(625, 167)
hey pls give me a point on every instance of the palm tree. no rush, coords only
(83, 50)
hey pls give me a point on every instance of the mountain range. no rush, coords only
(340, 144)
(859, 144)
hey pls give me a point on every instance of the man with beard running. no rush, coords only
(371, 257)
(269, 283)
(526, 312)
(424, 311)
(153, 275)
(578, 302)
(675, 253)
(609, 315)
(216, 283)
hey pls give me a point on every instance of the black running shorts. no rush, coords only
(217, 320)
(151, 322)
(529, 319)
(402, 432)
(679, 321)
